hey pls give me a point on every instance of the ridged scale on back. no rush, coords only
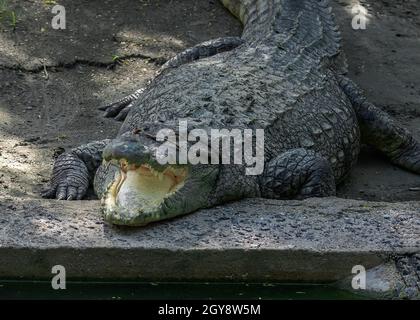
(292, 24)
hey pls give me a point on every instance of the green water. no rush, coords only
(143, 290)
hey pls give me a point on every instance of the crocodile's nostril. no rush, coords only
(131, 150)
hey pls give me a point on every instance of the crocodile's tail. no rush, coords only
(304, 26)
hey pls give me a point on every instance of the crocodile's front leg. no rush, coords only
(74, 171)
(120, 109)
(297, 174)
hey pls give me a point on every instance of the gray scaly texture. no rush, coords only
(285, 75)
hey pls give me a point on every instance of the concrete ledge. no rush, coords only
(317, 240)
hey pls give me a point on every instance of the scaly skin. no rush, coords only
(285, 75)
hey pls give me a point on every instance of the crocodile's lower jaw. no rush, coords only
(140, 195)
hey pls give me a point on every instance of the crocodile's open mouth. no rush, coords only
(138, 194)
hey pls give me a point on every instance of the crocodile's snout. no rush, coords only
(143, 191)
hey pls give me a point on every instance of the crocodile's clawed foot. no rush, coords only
(70, 179)
(124, 112)
(119, 110)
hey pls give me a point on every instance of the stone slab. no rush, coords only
(316, 240)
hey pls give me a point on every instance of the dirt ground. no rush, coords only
(52, 81)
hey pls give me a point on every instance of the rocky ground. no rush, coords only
(52, 81)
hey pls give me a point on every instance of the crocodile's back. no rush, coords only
(297, 106)
(280, 81)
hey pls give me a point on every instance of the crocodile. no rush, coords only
(286, 74)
